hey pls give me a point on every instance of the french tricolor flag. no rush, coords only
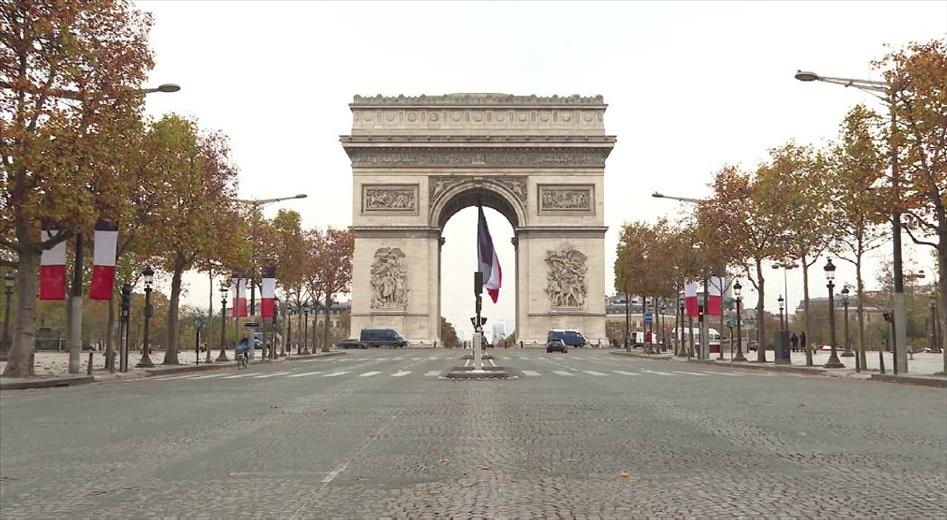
(268, 292)
(52, 270)
(690, 298)
(487, 259)
(103, 260)
(238, 290)
(714, 295)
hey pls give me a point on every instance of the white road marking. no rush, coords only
(594, 373)
(340, 373)
(381, 358)
(531, 372)
(369, 374)
(401, 373)
(689, 373)
(304, 374)
(206, 377)
(622, 372)
(728, 374)
(397, 358)
(416, 359)
(433, 358)
(655, 372)
(237, 376)
(524, 358)
(432, 373)
(274, 374)
(563, 373)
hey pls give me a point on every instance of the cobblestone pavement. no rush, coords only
(380, 434)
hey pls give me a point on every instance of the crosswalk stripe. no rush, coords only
(205, 377)
(237, 376)
(433, 358)
(689, 373)
(416, 359)
(594, 373)
(728, 374)
(401, 373)
(524, 358)
(381, 358)
(562, 373)
(622, 372)
(397, 358)
(531, 372)
(341, 373)
(274, 374)
(304, 374)
(655, 372)
(433, 373)
(369, 374)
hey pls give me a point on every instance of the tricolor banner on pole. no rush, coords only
(52, 270)
(238, 291)
(690, 298)
(487, 260)
(103, 260)
(714, 295)
(267, 291)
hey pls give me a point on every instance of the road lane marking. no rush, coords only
(728, 374)
(399, 358)
(434, 358)
(594, 373)
(433, 373)
(369, 374)
(562, 373)
(524, 358)
(206, 377)
(655, 372)
(237, 376)
(340, 373)
(274, 374)
(304, 374)
(622, 372)
(401, 373)
(416, 359)
(531, 372)
(690, 373)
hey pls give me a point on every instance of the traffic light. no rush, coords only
(473, 321)
(700, 313)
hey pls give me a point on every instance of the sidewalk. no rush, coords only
(52, 368)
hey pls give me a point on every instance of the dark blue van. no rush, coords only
(382, 338)
(572, 338)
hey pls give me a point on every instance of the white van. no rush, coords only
(712, 334)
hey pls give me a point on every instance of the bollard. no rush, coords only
(88, 369)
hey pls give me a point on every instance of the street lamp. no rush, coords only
(782, 324)
(149, 277)
(306, 309)
(848, 347)
(222, 357)
(833, 361)
(737, 292)
(786, 266)
(900, 313)
(5, 340)
(164, 87)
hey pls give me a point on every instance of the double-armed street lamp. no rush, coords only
(887, 95)
(5, 340)
(782, 323)
(222, 357)
(145, 361)
(738, 294)
(786, 266)
(833, 361)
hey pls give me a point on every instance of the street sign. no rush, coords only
(251, 324)
(648, 318)
(198, 324)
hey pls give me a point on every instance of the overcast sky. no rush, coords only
(690, 87)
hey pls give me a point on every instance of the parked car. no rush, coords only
(555, 345)
(571, 337)
(351, 343)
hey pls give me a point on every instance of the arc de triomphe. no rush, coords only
(539, 161)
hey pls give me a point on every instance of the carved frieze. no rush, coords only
(471, 157)
(516, 185)
(477, 99)
(566, 283)
(399, 198)
(566, 197)
(389, 279)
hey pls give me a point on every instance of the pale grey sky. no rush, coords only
(690, 86)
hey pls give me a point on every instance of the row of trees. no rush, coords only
(803, 203)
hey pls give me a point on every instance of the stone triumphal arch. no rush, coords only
(539, 161)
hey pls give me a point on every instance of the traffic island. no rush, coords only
(487, 373)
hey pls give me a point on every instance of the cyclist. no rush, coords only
(243, 352)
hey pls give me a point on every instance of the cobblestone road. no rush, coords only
(380, 434)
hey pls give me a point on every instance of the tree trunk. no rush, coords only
(20, 360)
(171, 351)
(325, 324)
(760, 314)
(860, 311)
(807, 318)
(942, 289)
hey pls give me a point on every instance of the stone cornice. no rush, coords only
(513, 140)
(478, 100)
(478, 157)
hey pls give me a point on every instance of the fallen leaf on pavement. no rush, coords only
(624, 473)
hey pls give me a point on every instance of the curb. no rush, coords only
(909, 380)
(768, 366)
(47, 383)
(663, 357)
(230, 364)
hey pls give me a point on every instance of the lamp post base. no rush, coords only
(738, 357)
(145, 362)
(833, 362)
(222, 357)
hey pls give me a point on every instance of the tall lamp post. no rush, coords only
(5, 341)
(833, 361)
(145, 361)
(222, 357)
(737, 293)
(681, 344)
(782, 323)
(306, 328)
(848, 346)
(887, 96)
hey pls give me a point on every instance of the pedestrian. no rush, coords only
(795, 341)
(243, 351)
(802, 341)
